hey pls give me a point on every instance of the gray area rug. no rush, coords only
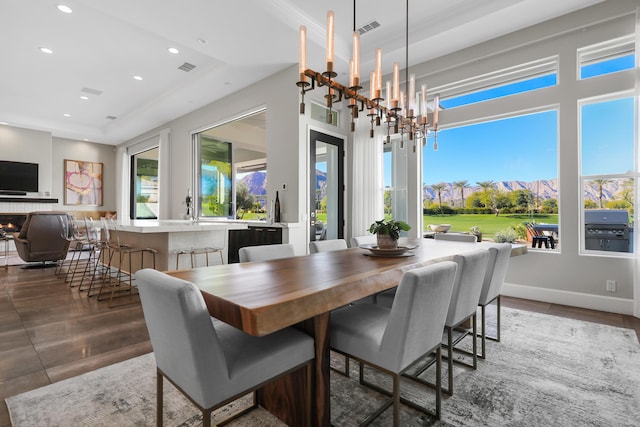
(547, 371)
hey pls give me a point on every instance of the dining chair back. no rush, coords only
(456, 237)
(209, 361)
(462, 308)
(266, 252)
(393, 339)
(327, 245)
(358, 241)
(497, 265)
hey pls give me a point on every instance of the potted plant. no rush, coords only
(387, 232)
(475, 230)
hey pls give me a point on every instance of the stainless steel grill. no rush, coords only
(607, 230)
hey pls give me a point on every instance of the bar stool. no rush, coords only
(95, 268)
(117, 276)
(193, 252)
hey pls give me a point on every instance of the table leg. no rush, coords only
(285, 397)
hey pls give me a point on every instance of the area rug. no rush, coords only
(547, 371)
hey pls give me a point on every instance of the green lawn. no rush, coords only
(489, 224)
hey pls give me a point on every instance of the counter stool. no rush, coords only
(117, 278)
(193, 252)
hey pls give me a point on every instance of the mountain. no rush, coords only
(256, 182)
(544, 189)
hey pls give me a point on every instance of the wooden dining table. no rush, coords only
(263, 297)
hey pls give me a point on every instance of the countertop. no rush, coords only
(181, 225)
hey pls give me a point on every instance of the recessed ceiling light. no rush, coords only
(64, 8)
(173, 50)
(45, 50)
(137, 77)
(67, 115)
(84, 97)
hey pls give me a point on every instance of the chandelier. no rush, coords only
(397, 110)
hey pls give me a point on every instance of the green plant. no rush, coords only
(390, 227)
(475, 229)
(505, 236)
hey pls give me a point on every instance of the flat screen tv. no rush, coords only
(18, 178)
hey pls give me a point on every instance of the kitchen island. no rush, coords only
(168, 237)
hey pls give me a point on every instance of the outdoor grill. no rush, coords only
(607, 230)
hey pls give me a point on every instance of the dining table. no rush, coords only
(262, 297)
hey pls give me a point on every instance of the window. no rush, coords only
(497, 174)
(144, 184)
(608, 175)
(506, 82)
(214, 178)
(396, 203)
(607, 57)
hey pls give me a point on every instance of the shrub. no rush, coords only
(505, 236)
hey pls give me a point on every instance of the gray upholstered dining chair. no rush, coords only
(327, 245)
(266, 252)
(393, 339)
(358, 241)
(491, 288)
(211, 362)
(462, 308)
(456, 237)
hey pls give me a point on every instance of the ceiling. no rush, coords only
(103, 44)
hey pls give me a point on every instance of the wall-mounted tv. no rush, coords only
(18, 178)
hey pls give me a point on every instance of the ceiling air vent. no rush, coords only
(91, 91)
(372, 25)
(110, 117)
(186, 67)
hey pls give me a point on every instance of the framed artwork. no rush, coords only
(82, 183)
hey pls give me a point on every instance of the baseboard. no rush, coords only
(573, 299)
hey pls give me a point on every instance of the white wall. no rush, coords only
(26, 145)
(563, 277)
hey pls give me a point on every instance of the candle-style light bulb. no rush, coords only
(378, 82)
(423, 103)
(436, 107)
(388, 94)
(412, 93)
(330, 47)
(356, 58)
(396, 82)
(303, 53)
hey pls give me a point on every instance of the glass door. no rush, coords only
(327, 187)
(144, 185)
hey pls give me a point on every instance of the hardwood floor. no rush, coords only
(49, 331)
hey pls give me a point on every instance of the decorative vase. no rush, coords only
(386, 242)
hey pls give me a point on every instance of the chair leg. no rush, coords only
(483, 328)
(206, 418)
(449, 389)
(159, 388)
(498, 317)
(396, 400)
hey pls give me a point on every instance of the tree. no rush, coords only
(438, 189)
(388, 202)
(485, 196)
(522, 198)
(461, 185)
(600, 183)
(244, 200)
(550, 206)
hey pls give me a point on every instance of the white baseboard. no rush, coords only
(573, 299)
